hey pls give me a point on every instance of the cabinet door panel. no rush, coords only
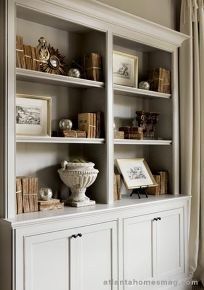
(59, 261)
(47, 262)
(170, 243)
(98, 256)
(139, 248)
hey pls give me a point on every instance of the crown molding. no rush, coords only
(122, 19)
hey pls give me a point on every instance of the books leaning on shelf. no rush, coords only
(91, 123)
(162, 180)
(117, 186)
(26, 55)
(20, 60)
(26, 194)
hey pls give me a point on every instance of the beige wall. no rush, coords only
(164, 12)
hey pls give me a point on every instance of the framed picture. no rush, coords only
(125, 69)
(136, 173)
(33, 115)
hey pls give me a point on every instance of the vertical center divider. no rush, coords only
(109, 115)
(175, 120)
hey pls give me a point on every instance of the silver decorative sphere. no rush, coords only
(144, 85)
(65, 124)
(74, 72)
(45, 193)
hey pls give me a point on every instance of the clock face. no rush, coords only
(54, 61)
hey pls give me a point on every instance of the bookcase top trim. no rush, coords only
(118, 17)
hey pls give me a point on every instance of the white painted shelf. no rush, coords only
(142, 142)
(118, 89)
(41, 77)
(60, 140)
(71, 212)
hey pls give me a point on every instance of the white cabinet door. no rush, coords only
(170, 243)
(80, 259)
(139, 237)
(46, 259)
(98, 247)
(153, 248)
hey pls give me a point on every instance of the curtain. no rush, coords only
(192, 126)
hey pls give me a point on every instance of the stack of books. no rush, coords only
(91, 123)
(132, 132)
(50, 204)
(74, 134)
(26, 194)
(160, 80)
(162, 180)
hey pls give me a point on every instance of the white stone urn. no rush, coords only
(78, 176)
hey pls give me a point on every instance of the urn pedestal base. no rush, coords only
(80, 203)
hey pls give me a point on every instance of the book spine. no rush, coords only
(35, 196)
(164, 182)
(94, 125)
(20, 60)
(28, 56)
(89, 129)
(158, 181)
(91, 125)
(19, 199)
(30, 194)
(115, 193)
(84, 123)
(118, 182)
(26, 207)
(98, 124)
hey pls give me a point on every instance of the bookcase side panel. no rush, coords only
(10, 126)
(3, 48)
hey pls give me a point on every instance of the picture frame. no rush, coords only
(33, 115)
(125, 69)
(136, 173)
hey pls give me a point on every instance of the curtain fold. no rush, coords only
(192, 126)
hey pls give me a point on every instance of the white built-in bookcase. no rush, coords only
(76, 28)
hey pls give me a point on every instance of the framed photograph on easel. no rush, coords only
(136, 173)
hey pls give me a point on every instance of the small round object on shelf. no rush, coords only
(144, 85)
(65, 124)
(74, 73)
(45, 193)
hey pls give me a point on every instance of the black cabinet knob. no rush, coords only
(159, 218)
(74, 236)
(155, 219)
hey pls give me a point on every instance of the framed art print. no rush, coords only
(33, 115)
(136, 173)
(125, 69)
